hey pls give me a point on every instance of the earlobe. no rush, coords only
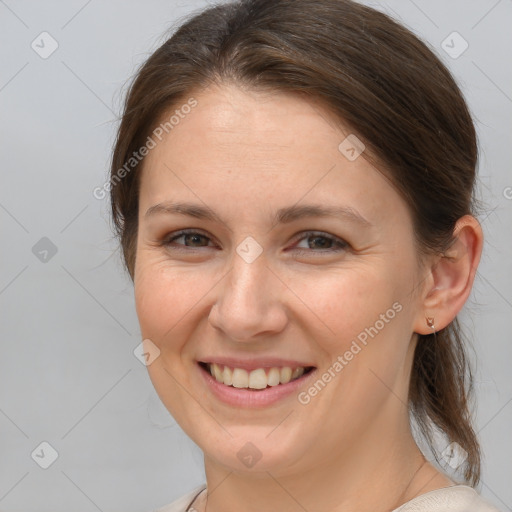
(452, 277)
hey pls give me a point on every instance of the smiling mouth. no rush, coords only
(258, 379)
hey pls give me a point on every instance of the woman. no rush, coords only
(292, 188)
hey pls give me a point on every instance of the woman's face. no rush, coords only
(266, 284)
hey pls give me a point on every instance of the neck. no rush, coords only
(379, 473)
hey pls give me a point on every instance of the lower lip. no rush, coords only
(244, 397)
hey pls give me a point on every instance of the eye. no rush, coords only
(323, 241)
(189, 235)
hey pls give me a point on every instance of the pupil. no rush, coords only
(194, 237)
(321, 238)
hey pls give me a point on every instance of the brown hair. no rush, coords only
(376, 78)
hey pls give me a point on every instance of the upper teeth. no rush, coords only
(256, 379)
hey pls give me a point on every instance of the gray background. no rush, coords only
(68, 375)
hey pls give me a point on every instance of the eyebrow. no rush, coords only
(282, 216)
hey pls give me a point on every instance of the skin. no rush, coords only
(245, 154)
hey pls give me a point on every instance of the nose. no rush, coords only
(249, 303)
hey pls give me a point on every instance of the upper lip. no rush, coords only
(255, 363)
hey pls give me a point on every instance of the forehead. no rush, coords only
(247, 148)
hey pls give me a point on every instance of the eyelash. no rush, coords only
(342, 245)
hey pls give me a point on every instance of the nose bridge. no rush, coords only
(247, 280)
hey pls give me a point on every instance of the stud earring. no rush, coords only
(430, 322)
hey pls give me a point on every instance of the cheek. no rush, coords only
(342, 303)
(362, 324)
(172, 303)
(162, 296)
(369, 316)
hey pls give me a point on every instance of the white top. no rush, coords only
(457, 498)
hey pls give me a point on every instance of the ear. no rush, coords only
(450, 278)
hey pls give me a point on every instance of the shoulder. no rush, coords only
(457, 498)
(181, 504)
